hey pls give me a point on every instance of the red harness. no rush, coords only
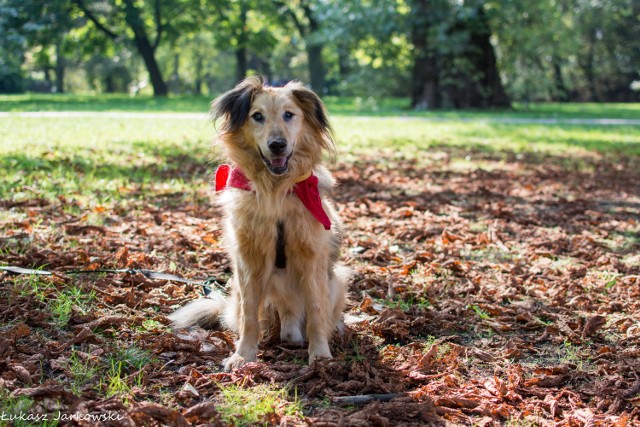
(306, 190)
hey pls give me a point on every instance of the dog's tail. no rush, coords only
(205, 312)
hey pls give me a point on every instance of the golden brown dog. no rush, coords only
(280, 230)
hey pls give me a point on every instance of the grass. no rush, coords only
(115, 382)
(131, 357)
(103, 162)
(60, 303)
(66, 301)
(262, 404)
(342, 106)
(83, 372)
(19, 412)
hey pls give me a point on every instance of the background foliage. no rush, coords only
(560, 50)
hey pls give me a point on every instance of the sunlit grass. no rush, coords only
(18, 411)
(101, 162)
(344, 106)
(262, 404)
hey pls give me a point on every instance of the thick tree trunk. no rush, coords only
(140, 38)
(490, 93)
(241, 63)
(60, 66)
(561, 93)
(589, 68)
(197, 89)
(316, 68)
(424, 82)
(241, 50)
(344, 65)
(149, 58)
(145, 48)
(317, 72)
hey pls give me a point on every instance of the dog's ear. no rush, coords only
(315, 113)
(233, 106)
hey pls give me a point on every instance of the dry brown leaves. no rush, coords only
(482, 295)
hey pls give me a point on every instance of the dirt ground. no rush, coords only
(489, 289)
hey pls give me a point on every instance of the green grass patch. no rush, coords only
(99, 162)
(115, 383)
(83, 372)
(67, 300)
(131, 357)
(20, 411)
(60, 303)
(340, 106)
(262, 404)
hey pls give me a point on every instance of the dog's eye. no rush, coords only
(288, 115)
(258, 117)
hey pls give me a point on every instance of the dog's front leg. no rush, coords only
(250, 290)
(319, 325)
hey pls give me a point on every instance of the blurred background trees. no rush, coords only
(440, 53)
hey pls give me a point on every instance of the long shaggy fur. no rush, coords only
(305, 300)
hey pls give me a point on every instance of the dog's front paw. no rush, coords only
(320, 352)
(234, 361)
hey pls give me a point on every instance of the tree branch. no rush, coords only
(95, 20)
(287, 10)
(308, 13)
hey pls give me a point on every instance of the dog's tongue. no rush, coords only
(278, 162)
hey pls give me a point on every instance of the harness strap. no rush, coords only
(281, 256)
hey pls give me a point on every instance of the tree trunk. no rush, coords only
(145, 48)
(109, 84)
(241, 50)
(424, 82)
(561, 93)
(589, 68)
(317, 72)
(148, 55)
(60, 65)
(241, 63)
(490, 93)
(197, 89)
(316, 68)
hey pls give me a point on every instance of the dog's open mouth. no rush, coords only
(277, 165)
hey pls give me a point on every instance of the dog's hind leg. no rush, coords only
(291, 326)
(290, 306)
(339, 277)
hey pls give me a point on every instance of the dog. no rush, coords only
(281, 231)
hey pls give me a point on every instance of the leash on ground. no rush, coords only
(207, 284)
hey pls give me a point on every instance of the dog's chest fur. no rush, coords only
(252, 226)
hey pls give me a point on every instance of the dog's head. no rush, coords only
(280, 130)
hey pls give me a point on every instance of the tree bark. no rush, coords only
(561, 93)
(241, 50)
(197, 89)
(317, 72)
(145, 48)
(425, 85)
(60, 66)
(490, 93)
(425, 81)
(241, 63)
(148, 56)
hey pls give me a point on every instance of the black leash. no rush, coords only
(205, 284)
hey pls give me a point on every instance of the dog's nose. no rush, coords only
(277, 146)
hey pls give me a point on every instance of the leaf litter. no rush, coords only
(485, 295)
